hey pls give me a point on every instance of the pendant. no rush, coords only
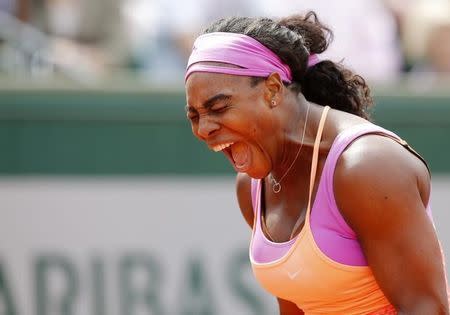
(276, 188)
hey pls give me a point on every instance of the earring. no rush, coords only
(273, 103)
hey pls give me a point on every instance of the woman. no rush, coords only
(338, 206)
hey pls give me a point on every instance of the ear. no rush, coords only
(273, 88)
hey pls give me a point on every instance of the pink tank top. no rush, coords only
(323, 269)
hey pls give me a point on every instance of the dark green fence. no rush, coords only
(100, 132)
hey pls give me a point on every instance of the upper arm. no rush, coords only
(288, 308)
(381, 190)
(244, 197)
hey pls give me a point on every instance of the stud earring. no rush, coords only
(273, 103)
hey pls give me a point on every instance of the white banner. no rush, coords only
(134, 246)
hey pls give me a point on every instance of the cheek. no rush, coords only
(258, 128)
(194, 128)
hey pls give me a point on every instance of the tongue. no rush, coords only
(240, 153)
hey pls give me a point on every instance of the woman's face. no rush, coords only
(233, 117)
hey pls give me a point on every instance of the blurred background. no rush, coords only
(109, 206)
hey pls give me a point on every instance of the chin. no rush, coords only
(256, 174)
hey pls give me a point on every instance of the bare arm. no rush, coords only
(288, 308)
(244, 197)
(381, 190)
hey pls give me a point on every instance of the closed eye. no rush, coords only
(191, 113)
(220, 107)
(192, 116)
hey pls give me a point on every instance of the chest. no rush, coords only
(283, 215)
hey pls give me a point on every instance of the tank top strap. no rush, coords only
(315, 159)
(254, 189)
(346, 137)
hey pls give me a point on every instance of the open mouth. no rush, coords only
(221, 147)
(238, 153)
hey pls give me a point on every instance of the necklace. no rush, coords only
(276, 185)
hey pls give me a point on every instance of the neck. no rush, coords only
(297, 142)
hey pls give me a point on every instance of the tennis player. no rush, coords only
(339, 207)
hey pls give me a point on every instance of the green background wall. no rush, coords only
(142, 132)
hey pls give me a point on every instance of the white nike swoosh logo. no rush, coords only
(293, 275)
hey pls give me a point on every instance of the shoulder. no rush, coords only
(244, 197)
(382, 190)
(375, 173)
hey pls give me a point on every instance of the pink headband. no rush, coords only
(313, 60)
(252, 57)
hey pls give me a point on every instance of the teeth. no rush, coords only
(222, 146)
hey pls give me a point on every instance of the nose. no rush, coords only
(206, 127)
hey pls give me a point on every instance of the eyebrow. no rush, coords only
(211, 101)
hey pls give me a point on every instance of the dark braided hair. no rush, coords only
(293, 39)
